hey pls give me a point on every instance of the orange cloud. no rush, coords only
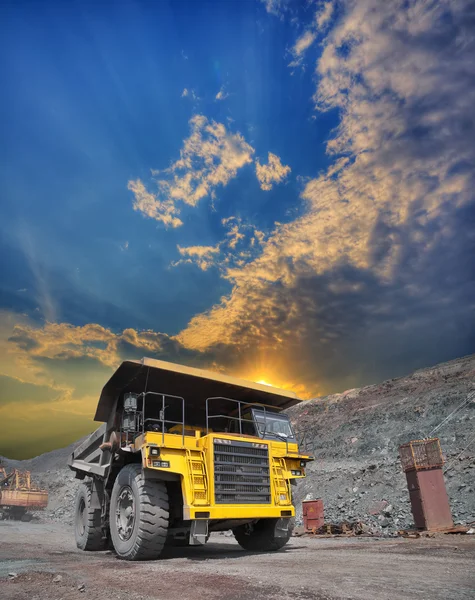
(273, 172)
(211, 156)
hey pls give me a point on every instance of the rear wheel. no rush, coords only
(261, 536)
(138, 515)
(87, 521)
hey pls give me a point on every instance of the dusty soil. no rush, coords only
(441, 568)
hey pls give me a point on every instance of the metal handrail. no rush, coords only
(239, 417)
(162, 412)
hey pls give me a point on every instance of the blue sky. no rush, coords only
(279, 189)
(93, 100)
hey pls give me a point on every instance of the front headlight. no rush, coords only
(296, 472)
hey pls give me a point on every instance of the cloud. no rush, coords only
(222, 95)
(375, 277)
(211, 156)
(387, 224)
(241, 243)
(324, 14)
(186, 93)
(273, 172)
(320, 22)
(150, 205)
(63, 341)
(276, 7)
(203, 256)
(301, 46)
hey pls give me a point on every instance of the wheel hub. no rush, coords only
(125, 513)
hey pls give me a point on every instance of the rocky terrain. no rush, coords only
(355, 438)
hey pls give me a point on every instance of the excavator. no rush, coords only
(18, 495)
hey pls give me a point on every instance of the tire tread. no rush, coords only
(152, 514)
(93, 539)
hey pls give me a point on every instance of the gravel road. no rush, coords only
(441, 568)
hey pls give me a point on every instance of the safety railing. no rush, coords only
(240, 420)
(135, 420)
(161, 420)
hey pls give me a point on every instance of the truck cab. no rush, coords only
(184, 452)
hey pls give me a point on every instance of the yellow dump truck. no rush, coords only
(184, 452)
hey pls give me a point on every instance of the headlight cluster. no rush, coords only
(296, 472)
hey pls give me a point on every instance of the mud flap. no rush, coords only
(282, 528)
(199, 532)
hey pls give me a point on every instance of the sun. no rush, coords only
(264, 382)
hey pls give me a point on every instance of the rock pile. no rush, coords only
(355, 438)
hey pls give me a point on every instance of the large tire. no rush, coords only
(138, 515)
(261, 536)
(87, 521)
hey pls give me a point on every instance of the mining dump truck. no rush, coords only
(184, 452)
(18, 495)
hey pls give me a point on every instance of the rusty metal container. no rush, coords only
(312, 511)
(422, 462)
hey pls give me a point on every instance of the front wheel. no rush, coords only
(138, 515)
(265, 535)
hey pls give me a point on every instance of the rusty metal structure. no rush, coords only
(18, 495)
(313, 516)
(422, 462)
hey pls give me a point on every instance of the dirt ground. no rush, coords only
(318, 569)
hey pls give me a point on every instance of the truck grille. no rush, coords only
(241, 473)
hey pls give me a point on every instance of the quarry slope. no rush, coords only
(355, 437)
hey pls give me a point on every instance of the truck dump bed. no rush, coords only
(195, 385)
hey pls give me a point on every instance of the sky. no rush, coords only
(280, 190)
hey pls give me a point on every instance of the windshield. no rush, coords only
(272, 425)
